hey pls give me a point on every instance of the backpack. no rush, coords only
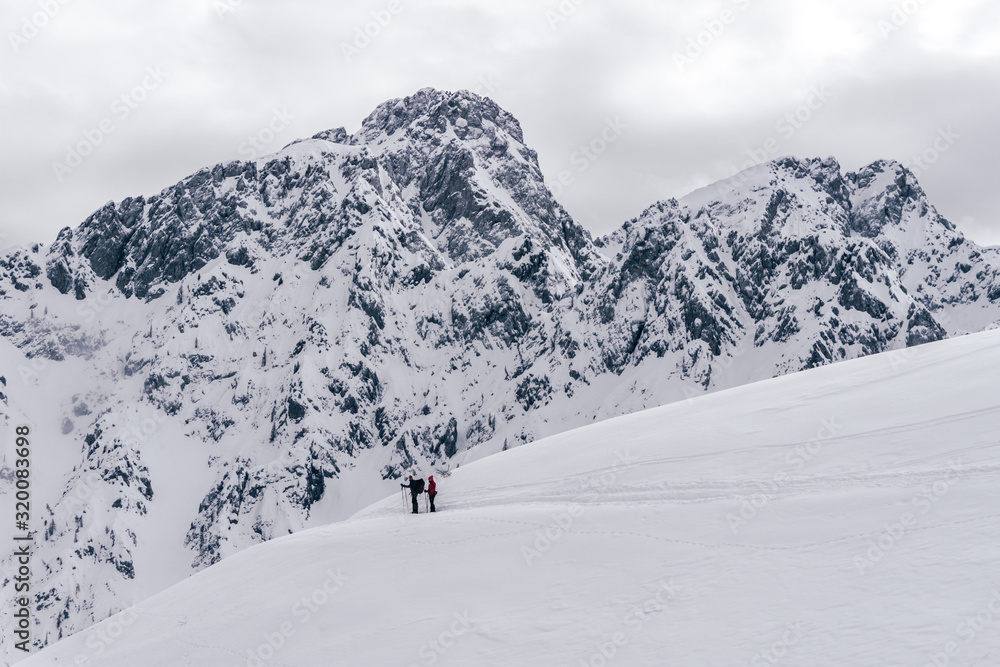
(418, 486)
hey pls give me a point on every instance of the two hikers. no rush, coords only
(416, 487)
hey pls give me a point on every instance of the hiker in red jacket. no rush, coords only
(431, 490)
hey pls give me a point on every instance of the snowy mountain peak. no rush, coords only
(447, 172)
(300, 330)
(433, 111)
(881, 194)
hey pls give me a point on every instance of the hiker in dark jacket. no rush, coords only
(416, 487)
(431, 490)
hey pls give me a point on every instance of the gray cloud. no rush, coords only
(234, 64)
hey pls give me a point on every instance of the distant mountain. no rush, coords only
(269, 345)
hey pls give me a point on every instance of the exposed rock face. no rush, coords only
(270, 344)
(793, 256)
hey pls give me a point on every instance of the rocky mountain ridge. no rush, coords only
(269, 345)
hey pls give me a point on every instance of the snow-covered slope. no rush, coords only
(269, 345)
(841, 516)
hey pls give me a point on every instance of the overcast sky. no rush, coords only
(694, 90)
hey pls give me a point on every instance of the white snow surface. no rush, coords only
(840, 516)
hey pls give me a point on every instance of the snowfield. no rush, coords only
(841, 516)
